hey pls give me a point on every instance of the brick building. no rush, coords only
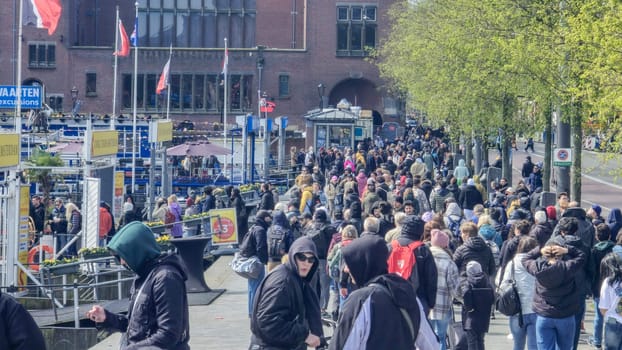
(287, 49)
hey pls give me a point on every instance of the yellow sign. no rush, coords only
(224, 226)
(23, 238)
(9, 150)
(165, 131)
(117, 205)
(366, 113)
(104, 143)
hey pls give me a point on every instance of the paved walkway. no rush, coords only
(224, 324)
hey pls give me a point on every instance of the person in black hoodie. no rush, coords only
(383, 313)
(426, 275)
(267, 198)
(478, 297)
(19, 330)
(557, 299)
(256, 244)
(287, 309)
(241, 213)
(614, 220)
(474, 248)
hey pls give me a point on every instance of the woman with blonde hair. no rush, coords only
(174, 208)
(74, 226)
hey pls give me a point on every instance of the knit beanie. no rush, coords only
(439, 238)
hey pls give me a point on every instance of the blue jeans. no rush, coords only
(253, 284)
(613, 335)
(555, 333)
(598, 324)
(324, 284)
(525, 334)
(440, 328)
(578, 317)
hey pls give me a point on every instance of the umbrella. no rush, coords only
(197, 149)
(67, 148)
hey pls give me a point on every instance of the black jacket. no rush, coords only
(18, 331)
(267, 201)
(598, 253)
(585, 231)
(542, 233)
(478, 297)
(475, 248)
(426, 270)
(156, 317)
(256, 241)
(470, 197)
(380, 299)
(286, 305)
(557, 295)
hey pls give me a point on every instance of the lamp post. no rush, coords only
(74, 99)
(320, 90)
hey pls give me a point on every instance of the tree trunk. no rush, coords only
(577, 147)
(548, 144)
(506, 142)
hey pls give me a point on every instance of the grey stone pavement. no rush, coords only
(224, 323)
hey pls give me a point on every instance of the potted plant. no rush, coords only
(164, 242)
(93, 253)
(156, 227)
(62, 266)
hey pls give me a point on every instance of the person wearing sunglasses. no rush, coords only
(158, 311)
(287, 309)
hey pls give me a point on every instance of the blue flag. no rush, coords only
(134, 36)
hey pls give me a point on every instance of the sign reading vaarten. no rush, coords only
(31, 96)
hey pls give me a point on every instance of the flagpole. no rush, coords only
(168, 85)
(18, 85)
(226, 91)
(114, 81)
(134, 103)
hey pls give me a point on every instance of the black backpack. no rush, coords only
(276, 242)
(318, 236)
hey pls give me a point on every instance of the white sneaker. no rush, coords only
(510, 336)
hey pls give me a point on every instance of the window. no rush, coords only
(42, 55)
(91, 84)
(55, 101)
(283, 85)
(356, 29)
(190, 93)
(197, 23)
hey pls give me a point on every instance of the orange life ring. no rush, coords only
(34, 265)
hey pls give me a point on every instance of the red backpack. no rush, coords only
(402, 258)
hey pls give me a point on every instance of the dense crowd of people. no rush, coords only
(371, 211)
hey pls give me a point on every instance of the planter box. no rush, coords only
(89, 256)
(63, 270)
(166, 247)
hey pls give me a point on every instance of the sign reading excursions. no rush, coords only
(31, 96)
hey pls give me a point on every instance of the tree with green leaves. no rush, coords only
(43, 176)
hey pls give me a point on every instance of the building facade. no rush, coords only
(298, 54)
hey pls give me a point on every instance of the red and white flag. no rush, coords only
(163, 82)
(124, 50)
(42, 13)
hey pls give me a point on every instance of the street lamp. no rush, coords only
(74, 99)
(320, 90)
